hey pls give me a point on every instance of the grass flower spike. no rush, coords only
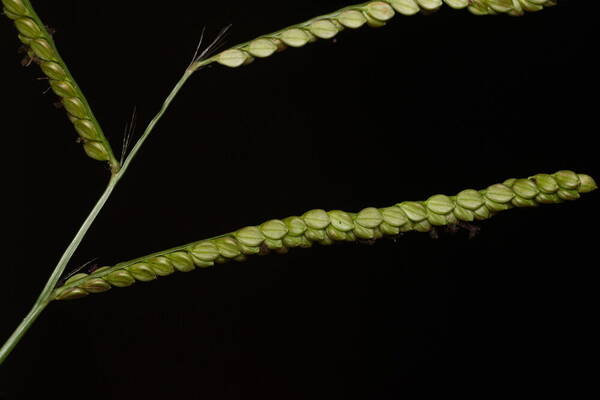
(327, 227)
(42, 50)
(373, 13)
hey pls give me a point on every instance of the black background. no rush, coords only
(425, 105)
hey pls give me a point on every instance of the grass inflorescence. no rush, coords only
(373, 13)
(41, 49)
(315, 226)
(327, 227)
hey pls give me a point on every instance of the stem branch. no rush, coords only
(16, 336)
(45, 296)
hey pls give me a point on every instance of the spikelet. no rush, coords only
(327, 227)
(42, 50)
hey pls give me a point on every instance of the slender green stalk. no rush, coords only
(46, 295)
(23, 327)
(152, 123)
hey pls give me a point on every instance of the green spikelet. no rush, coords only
(327, 227)
(42, 50)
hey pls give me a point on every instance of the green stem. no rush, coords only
(16, 336)
(45, 296)
(152, 123)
